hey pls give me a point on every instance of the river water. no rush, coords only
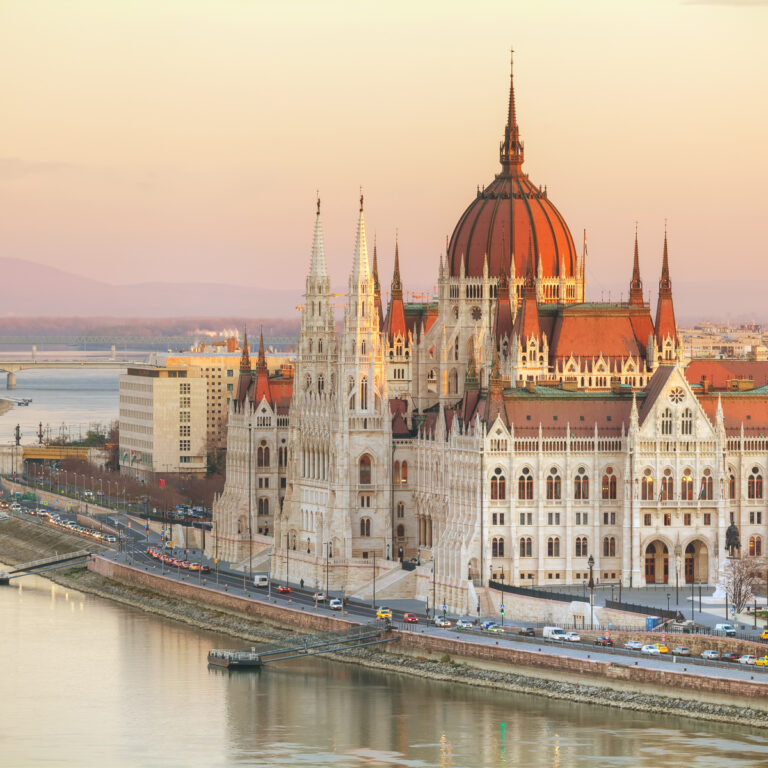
(85, 682)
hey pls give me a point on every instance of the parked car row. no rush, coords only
(175, 562)
(72, 526)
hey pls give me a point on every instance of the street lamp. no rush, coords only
(327, 564)
(591, 585)
(307, 544)
(668, 596)
(502, 597)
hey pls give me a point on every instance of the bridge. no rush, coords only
(307, 645)
(46, 564)
(11, 366)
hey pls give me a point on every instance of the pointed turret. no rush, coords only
(504, 323)
(361, 268)
(395, 325)
(261, 364)
(496, 394)
(376, 285)
(527, 321)
(317, 267)
(262, 375)
(511, 154)
(245, 358)
(665, 326)
(636, 284)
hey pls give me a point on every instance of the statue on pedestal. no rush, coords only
(732, 542)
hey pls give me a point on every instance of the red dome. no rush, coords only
(512, 216)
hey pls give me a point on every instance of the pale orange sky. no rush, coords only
(185, 139)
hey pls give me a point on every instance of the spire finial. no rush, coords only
(245, 360)
(636, 284)
(361, 198)
(318, 202)
(511, 148)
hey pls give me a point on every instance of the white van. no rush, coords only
(553, 633)
(260, 580)
(725, 629)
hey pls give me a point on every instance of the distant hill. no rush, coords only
(36, 290)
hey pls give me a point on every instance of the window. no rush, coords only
(184, 416)
(582, 518)
(647, 486)
(185, 402)
(262, 454)
(755, 546)
(553, 518)
(185, 445)
(667, 518)
(553, 546)
(263, 506)
(731, 485)
(667, 486)
(609, 484)
(365, 469)
(401, 532)
(686, 486)
(647, 518)
(526, 518)
(525, 484)
(365, 526)
(609, 546)
(364, 393)
(755, 517)
(282, 456)
(755, 484)
(400, 509)
(185, 459)
(185, 388)
(397, 472)
(554, 485)
(687, 518)
(365, 501)
(526, 547)
(404, 473)
(706, 486)
(666, 422)
(498, 485)
(686, 422)
(609, 518)
(184, 430)
(497, 547)
(581, 485)
(707, 518)
(581, 546)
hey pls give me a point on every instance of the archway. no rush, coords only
(696, 562)
(657, 563)
(473, 570)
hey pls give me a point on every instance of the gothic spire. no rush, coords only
(361, 269)
(636, 284)
(665, 327)
(261, 366)
(245, 359)
(397, 286)
(665, 284)
(317, 267)
(512, 154)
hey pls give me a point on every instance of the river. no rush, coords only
(85, 682)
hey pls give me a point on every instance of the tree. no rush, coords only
(740, 581)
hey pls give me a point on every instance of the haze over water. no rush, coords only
(89, 683)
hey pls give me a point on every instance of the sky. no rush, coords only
(185, 140)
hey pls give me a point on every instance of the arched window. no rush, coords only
(581, 485)
(553, 546)
(397, 472)
(707, 488)
(525, 484)
(554, 485)
(731, 485)
(365, 526)
(526, 546)
(495, 548)
(609, 546)
(686, 422)
(667, 486)
(364, 393)
(501, 547)
(581, 546)
(498, 485)
(609, 484)
(263, 506)
(666, 422)
(400, 531)
(365, 469)
(400, 509)
(755, 484)
(262, 454)
(758, 546)
(404, 473)
(432, 381)
(646, 485)
(320, 378)
(686, 486)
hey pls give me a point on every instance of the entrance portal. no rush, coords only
(657, 563)
(696, 562)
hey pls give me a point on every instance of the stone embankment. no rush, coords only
(436, 658)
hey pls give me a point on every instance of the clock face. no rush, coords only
(677, 395)
(477, 313)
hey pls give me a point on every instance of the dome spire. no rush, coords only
(317, 265)
(512, 151)
(636, 284)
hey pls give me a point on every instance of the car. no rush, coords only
(606, 642)
(319, 597)
(496, 629)
(573, 637)
(681, 650)
(194, 567)
(763, 634)
(633, 645)
(762, 661)
(651, 650)
(205, 569)
(527, 631)
(486, 623)
(725, 629)
(410, 618)
(283, 588)
(382, 612)
(747, 658)
(730, 656)
(441, 622)
(464, 624)
(335, 604)
(111, 539)
(710, 655)
(184, 564)
(15, 507)
(662, 647)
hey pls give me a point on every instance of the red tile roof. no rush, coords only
(718, 372)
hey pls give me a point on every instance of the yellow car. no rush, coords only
(764, 634)
(762, 661)
(662, 648)
(383, 613)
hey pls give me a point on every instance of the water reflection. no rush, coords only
(85, 682)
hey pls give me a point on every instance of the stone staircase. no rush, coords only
(395, 585)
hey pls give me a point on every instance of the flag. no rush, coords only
(125, 456)
(661, 493)
(161, 482)
(703, 488)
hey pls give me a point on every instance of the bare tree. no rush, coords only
(740, 581)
